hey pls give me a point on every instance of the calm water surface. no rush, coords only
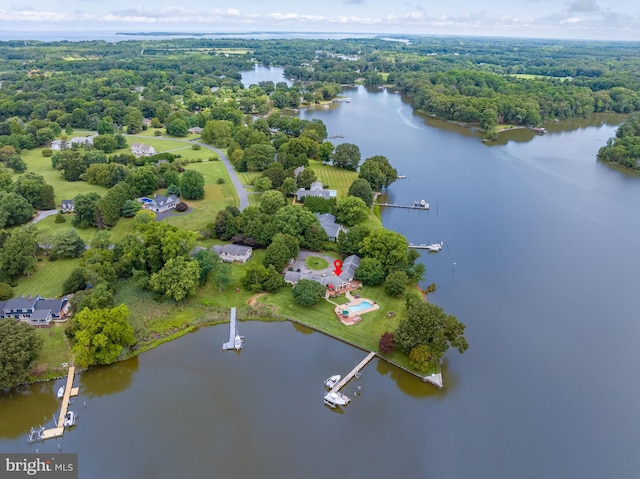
(541, 264)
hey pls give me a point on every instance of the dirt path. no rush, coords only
(252, 300)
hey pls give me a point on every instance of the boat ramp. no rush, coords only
(235, 340)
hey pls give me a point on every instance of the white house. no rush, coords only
(315, 190)
(140, 149)
(233, 252)
(159, 203)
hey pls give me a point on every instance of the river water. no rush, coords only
(540, 262)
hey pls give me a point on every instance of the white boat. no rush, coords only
(70, 419)
(238, 342)
(61, 392)
(332, 381)
(336, 399)
(400, 177)
(435, 247)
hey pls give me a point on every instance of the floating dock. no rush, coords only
(353, 373)
(235, 340)
(415, 206)
(58, 431)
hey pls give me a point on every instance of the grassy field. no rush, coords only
(48, 278)
(55, 349)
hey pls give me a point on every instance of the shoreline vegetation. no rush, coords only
(169, 91)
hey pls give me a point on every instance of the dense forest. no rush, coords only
(624, 148)
(479, 81)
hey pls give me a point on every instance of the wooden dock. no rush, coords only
(415, 206)
(233, 334)
(353, 372)
(69, 392)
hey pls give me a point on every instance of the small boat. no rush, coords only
(61, 392)
(336, 399)
(400, 177)
(70, 419)
(435, 247)
(238, 342)
(332, 381)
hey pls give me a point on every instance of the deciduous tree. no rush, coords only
(20, 348)
(308, 293)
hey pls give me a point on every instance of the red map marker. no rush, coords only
(338, 267)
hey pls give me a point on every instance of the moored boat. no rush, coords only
(61, 392)
(70, 419)
(335, 399)
(332, 381)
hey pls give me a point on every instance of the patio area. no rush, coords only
(350, 313)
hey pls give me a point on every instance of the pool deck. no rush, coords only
(353, 318)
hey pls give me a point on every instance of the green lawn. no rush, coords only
(48, 278)
(315, 262)
(55, 349)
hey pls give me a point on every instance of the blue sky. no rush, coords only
(590, 19)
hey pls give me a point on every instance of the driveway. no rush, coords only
(299, 263)
(40, 215)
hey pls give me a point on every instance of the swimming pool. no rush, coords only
(359, 307)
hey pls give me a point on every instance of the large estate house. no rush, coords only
(85, 141)
(316, 190)
(35, 311)
(140, 149)
(328, 280)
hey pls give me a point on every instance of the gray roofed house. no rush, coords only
(329, 225)
(316, 190)
(68, 206)
(196, 130)
(233, 252)
(159, 203)
(34, 310)
(140, 149)
(349, 267)
(81, 140)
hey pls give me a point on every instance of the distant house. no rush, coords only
(159, 203)
(196, 130)
(316, 190)
(146, 122)
(68, 206)
(140, 149)
(81, 141)
(329, 225)
(233, 252)
(35, 311)
(58, 145)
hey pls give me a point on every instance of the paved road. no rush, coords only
(240, 191)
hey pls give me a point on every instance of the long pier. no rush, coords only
(353, 372)
(235, 341)
(69, 392)
(415, 206)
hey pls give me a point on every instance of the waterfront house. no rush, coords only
(196, 130)
(316, 190)
(36, 311)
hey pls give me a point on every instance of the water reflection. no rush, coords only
(106, 380)
(302, 329)
(27, 407)
(408, 383)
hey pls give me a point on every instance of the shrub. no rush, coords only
(195, 146)
(60, 218)
(220, 181)
(387, 343)
(157, 133)
(182, 206)
(47, 152)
